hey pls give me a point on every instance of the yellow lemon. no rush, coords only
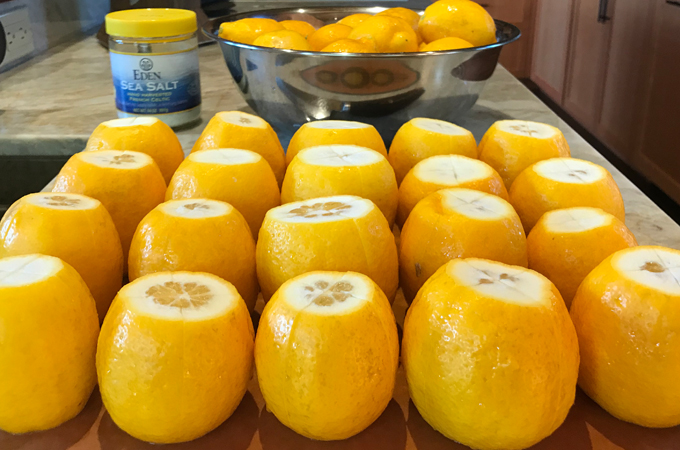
(197, 235)
(74, 228)
(446, 171)
(457, 223)
(302, 27)
(349, 46)
(286, 39)
(447, 43)
(329, 372)
(335, 132)
(48, 340)
(236, 129)
(247, 30)
(627, 313)
(490, 354)
(174, 356)
(510, 146)
(388, 34)
(140, 134)
(328, 34)
(421, 138)
(129, 185)
(407, 15)
(565, 245)
(353, 20)
(458, 18)
(232, 176)
(329, 170)
(564, 183)
(340, 233)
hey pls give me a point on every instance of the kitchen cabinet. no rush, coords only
(516, 57)
(551, 45)
(594, 66)
(659, 150)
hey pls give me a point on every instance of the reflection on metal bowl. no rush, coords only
(288, 88)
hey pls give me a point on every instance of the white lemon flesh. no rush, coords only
(576, 220)
(654, 268)
(510, 284)
(196, 208)
(324, 209)
(242, 119)
(475, 204)
(569, 170)
(225, 156)
(526, 128)
(339, 156)
(451, 170)
(327, 293)
(117, 159)
(337, 125)
(63, 201)
(439, 126)
(180, 296)
(27, 269)
(130, 122)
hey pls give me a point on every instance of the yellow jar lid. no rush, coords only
(151, 22)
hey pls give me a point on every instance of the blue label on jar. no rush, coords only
(156, 84)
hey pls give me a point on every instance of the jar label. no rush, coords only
(156, 84)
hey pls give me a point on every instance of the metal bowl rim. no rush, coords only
(514, 35)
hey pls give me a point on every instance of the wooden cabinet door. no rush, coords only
(551, 46)
(587, 63)
(515, 57)
(624, 86)
(659, 155)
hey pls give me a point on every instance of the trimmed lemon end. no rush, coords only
(196, 208)
(439, 126)
(27, 269)
(337, 125)
(527, 129)
(225, 156)
(339, 156)
(116, 159)
(576, 220)
(450, 170)
(242, 119)
(657, 268)
(63, 201)
(324, 209)
(180, 296)
(569, 170)
(475, 204)
(130, 122)
(510, 284)
(327, 293)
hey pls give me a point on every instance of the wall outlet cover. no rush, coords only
(18, 35)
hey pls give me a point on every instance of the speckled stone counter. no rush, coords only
(52, 104)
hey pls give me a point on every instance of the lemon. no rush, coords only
(490, 353)
(627, 313)
(73, 227)
(174, 356)
(339, 233)
(329, 372)
(48, 340)
(197, 235)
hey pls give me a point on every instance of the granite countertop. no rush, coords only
(52, 104)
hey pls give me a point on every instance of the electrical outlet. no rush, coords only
(18, 35)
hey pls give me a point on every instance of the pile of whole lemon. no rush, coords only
(521, 275)
(445, 25)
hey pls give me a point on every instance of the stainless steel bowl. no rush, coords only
(289, 88)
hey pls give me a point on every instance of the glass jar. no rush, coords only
(154, 64)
